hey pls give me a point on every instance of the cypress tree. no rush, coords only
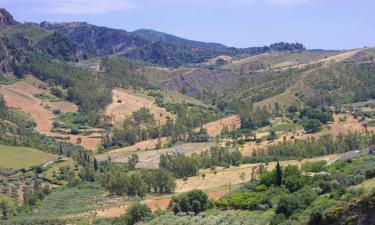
(278, 174)
(95, 164)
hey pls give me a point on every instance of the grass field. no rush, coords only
(54, 168)
(286, 127)
(368, 184)
(371, 124)
(21, 157)
(6, 199)
(7, 80)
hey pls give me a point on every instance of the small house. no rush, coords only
(371, 149)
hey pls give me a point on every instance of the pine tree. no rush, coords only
(278, 174)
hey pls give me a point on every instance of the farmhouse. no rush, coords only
(371, 149)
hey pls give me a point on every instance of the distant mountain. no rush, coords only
(150, 46)
(74, 40)
(160, 36)
(95, 40)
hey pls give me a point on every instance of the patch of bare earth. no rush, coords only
(124, 104)
(157, 204)
(224, 179)
(215, 128)
(112, 212)
(348, 124)
(21, 95)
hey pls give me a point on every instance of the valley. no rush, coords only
(108, 126)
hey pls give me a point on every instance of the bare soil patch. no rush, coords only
(21, 95)
(124, 104)
(349, 124)
(226, 178)
(215, 128)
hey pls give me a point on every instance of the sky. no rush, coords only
(318, 24)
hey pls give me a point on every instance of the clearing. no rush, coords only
(214, 184)
(22, 95)
(215, 128)
(347, 124)
(226, 178)
(124, 103)
(150, 159)
(22, 157)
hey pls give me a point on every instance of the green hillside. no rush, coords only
(20, 157)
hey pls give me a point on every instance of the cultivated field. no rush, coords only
(22, 95)
(125, 103)
(226, 178)
(150, 159)
(143, 145)
(348, 125)
(214, 128)
(21, 157)
(214, 184)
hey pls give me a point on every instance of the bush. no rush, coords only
(136, 213)
(57, 92)
(315, 167)
(56, 111)
(194, 201)
(311, 125)
(74, 131)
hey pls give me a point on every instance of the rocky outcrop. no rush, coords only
(6, 19)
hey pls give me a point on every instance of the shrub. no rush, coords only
(74, 131)
(194, 201)
(315, 167)
(56, 111)
(136, 213)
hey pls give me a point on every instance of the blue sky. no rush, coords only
(328, 24)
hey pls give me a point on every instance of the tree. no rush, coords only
(194, 201)
(3, 107)
(132, 161)
(95, 164)
(278, 174)
(293, 180)
(311, 125)
(136, 213)
(288, 204)
(272, 136)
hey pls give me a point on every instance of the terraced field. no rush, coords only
(22, 95)
(150, 159)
